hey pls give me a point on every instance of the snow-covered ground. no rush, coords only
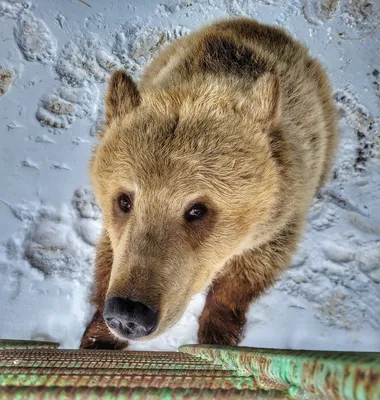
(55, 56)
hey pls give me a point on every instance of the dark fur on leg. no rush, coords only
(244, 279)
(223, 317)
(98, 336)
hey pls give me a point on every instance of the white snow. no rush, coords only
(54, 61)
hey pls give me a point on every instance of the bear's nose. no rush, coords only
(129, 318)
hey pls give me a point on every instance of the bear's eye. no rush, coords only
(197, 211)
(125, 203)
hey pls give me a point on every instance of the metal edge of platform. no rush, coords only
(338, 375)
(265, 373)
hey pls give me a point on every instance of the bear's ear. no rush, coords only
(122, 96)
(266, 100)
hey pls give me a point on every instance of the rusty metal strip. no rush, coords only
(132, 381)
(81, 393)
(107, 364)
(100, 359)
(116, 371)
(327, 375)
(104, 354)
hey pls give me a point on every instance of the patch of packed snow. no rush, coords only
(330, 296)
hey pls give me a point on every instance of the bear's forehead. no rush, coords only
(176, 175)
(181, 145)
(176, 133)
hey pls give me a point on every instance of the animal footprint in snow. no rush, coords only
(88, 226)
(55, 112)
(60, 108)
(366, 224)
(137, 45)
(319, 11)
(85, 204)
(89, 230)
(84, 59)
(320, 217)
(245, 8)
(363, 15)
(337, 254)
(7, 77)
(12, 9)
(366, 128)
(51, 245)
(369, 262)
(34, 39)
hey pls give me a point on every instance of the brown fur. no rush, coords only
(236, 116)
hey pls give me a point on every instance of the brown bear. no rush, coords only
(204, 172)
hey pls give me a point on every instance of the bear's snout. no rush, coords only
(129, 319)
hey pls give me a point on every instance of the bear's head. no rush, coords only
(186, 179)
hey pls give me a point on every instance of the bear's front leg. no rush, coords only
(243, 280)
(97, 336)
(223, 317)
